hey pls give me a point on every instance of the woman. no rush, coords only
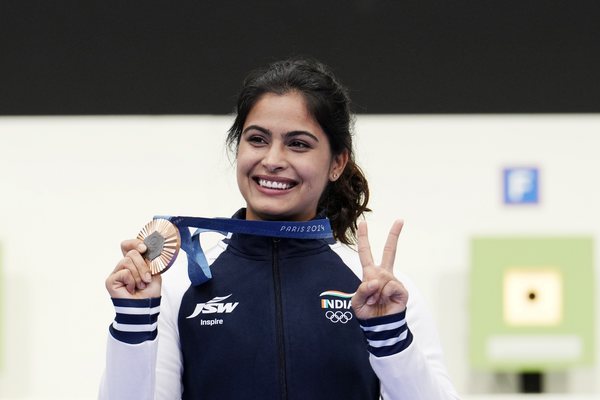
(275, 321)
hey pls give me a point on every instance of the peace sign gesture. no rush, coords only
(380, 293)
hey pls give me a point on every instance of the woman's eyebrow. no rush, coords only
(287, 135)
(258, 128)
(301, 133)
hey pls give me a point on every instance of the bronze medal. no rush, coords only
(162, 239)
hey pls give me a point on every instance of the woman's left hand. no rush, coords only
(380, 293)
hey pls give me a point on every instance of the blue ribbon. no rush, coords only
(198, 269)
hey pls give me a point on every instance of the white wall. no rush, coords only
(72, 188)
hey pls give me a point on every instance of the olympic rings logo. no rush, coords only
(338, 316)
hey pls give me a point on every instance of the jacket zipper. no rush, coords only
(279, 320)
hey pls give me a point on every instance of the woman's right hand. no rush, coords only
(131, 278)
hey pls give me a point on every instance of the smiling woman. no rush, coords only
(266, 325)
(284, 160)
(306, 95)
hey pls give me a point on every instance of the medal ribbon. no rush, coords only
(198, 269)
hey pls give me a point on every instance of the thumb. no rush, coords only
(367, 293)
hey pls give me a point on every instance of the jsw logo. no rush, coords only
(214, 306)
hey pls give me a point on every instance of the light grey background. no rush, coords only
(73, 187)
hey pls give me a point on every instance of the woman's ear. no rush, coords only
(338, 163)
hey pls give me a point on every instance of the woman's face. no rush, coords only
(284, 160)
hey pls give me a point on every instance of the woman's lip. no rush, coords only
(274, 185)
(277, 179)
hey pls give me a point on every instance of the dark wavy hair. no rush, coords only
(345, 199)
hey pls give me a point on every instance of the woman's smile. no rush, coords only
(274, 184)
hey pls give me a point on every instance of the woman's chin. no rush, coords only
(277, 214)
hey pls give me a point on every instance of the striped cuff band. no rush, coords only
(386, 335)
(136, 320)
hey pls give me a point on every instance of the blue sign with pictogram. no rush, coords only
(521, 185)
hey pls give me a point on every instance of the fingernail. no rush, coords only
(141, 247)
(370, 301)
(148, 277)
(142, 285)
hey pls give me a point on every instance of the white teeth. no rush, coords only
(274, 185)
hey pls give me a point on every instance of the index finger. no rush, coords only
(364, 248)
(132, 244)
(389, 250)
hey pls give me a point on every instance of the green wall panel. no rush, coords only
(535, 276)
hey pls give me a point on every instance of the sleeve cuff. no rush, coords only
(136, 320)
(386, 335)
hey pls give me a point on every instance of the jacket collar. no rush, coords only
(263, 246)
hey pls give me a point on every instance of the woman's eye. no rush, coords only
(299, 144)
(257, 140)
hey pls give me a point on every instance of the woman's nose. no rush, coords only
(274, 159)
